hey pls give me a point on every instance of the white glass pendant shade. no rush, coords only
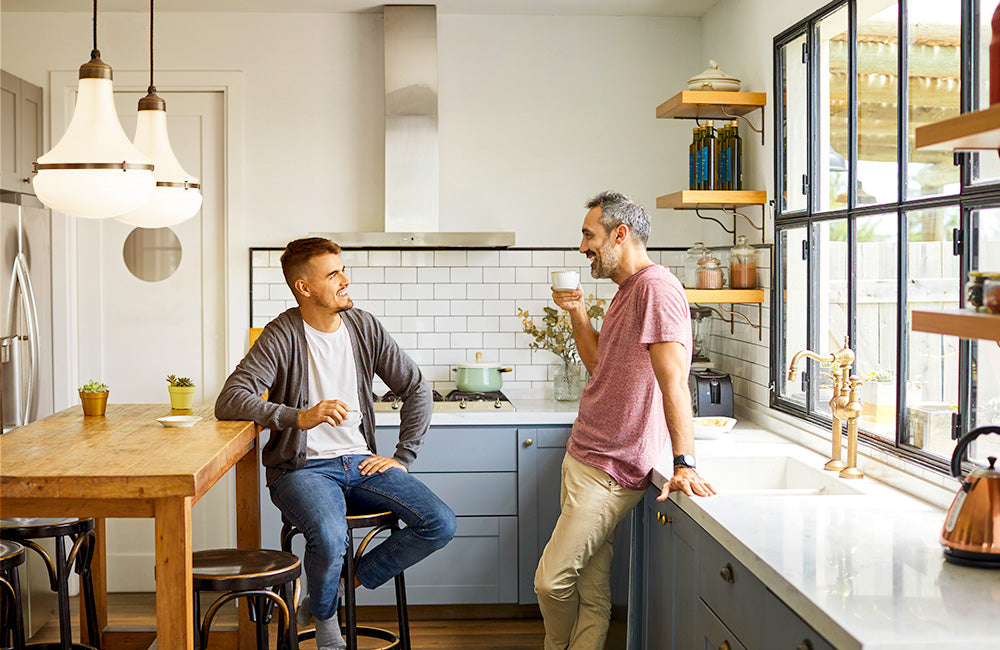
(94, 171)
(177, 195)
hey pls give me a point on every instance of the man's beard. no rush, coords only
(605, 261)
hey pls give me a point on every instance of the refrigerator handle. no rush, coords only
(27, 295)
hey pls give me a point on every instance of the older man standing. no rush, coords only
(636, 400)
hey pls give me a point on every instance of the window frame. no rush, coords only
(970, 197)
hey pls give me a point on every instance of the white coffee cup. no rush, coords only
(353, 419)
(565, 280)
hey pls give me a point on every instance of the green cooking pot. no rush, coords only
(479, 377)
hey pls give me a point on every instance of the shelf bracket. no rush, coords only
(747, 122)
(731, 321)
(732, 231)
(735, 212)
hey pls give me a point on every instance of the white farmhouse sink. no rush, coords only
(770, 475)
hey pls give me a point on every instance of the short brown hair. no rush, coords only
(298, 253)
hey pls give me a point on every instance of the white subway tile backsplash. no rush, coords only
(466, 340)
(515, 259)
(274, 259)
(574, 259)
(402, 275)
(366, 274)
(450, 324)
(260, 258)
(547, 258)
(483, 258)
(418, 291)
(416, 258)
(498, 307)
(516, 357)
(531, 373)
(383, 258)
(417, 324)
(498, 274)
(355, 258)
(422, 357)
(449, 291)
(450, 258)
(484, 291)
(467, 275)
(449, 357)
(269, 275)
(384, 292)
(483, 324)
(433, 275)
(515, 291)
(392, 324)
(467, 307)
(433, 340)
(377, 308)
(531, 274)
(434, 308)
(541, 292)
(401, 307)
(360, 292)
(407, 340)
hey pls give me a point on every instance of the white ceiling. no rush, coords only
(687, 8)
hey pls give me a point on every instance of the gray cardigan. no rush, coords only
(278, 363)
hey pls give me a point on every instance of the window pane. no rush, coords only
(934, 53)
(878, 102)
(794, 290)
(877, 265)
(989, 162)
(794, 126)
(932, 284)
(832, 88)
(831, 302)
(986, 354)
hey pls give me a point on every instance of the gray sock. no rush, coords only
(328, 635)
(303, 616)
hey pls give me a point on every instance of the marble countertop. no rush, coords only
(865, 570)
(527, 411)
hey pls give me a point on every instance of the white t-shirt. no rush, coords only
(333, 375)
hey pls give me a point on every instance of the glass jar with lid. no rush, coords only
(742, 265)
(991, 293)
(709, 272)
(691, 264)
(974, 290)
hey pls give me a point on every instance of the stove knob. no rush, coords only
(497, 404)
(463, 405)
(396, 404)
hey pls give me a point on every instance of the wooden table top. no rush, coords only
(126, 454)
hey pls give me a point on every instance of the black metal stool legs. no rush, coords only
(10, 592)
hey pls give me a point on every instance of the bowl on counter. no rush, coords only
(712, 428)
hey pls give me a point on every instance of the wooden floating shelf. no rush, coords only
(710, 104)
(968, 131)
(726, 295)
(711, 199)
(961, 323)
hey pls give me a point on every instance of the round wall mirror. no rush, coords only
(152, 254)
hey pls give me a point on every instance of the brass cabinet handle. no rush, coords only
(666, 520)
(805, 645)
(528, 442)
(727, 574)
(724, 645)
(659, 517)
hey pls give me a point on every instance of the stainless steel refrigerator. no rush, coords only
(26, 383)
(26, 373)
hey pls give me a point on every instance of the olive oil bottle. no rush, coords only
(722, 158)
(708, 157)
(693, 161)
(735, 156)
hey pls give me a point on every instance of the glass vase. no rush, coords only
(566, 386)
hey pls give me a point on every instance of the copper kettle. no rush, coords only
(971, 533)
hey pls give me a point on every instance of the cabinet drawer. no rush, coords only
(458, 449)
(714, 633)
(475, 494)
(732, 592)
(784, 630)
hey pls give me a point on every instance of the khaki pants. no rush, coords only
(573, 580)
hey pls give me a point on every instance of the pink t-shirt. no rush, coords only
(621, 428)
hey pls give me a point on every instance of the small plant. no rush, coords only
(880, 374)
(180, 382)
(556, 333)
(94, 386)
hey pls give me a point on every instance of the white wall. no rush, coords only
(537, 112)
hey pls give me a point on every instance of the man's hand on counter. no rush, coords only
(686, 480)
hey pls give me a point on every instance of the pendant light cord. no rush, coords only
(152, 88)
(98, 54)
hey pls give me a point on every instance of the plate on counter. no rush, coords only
(179, 420)
(710, 428)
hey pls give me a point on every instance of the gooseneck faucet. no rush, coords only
(844, 405)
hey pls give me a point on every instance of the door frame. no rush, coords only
(235, 272)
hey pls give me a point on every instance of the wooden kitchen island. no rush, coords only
(126, 464)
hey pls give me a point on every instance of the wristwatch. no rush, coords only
(684, 460)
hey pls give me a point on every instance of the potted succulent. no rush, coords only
(94, 397)
(556, 335)
(181, 392)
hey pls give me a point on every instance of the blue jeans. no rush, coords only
(316, 499)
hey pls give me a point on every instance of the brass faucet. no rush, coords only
(844, 405)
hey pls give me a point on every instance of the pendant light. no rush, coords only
(177, 195)
(94, 171)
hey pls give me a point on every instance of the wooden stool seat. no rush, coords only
(266, 578)
(377, 522)
(80, 532)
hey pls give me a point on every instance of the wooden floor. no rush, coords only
(465, 634)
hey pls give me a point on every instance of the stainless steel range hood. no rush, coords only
(411, 141)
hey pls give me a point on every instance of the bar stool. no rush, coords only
(12, 555)
(266, 578)
(81, 533)
(378, 522)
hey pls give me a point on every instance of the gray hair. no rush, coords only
(618, 208)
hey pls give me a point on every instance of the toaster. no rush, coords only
(711, 393)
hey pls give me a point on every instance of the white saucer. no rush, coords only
(712, 428)
(179, 420)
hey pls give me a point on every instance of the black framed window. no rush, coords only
(869, 228)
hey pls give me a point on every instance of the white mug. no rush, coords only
(565, 280)
(353, 419)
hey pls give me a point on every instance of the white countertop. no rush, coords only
(866, 571)
(527, 411)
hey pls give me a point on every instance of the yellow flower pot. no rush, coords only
(94, 403)
(181, 397)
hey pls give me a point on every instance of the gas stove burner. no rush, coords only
(392, 397)
(467, 396)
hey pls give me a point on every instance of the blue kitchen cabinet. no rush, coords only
(671, 572)
(540, 452)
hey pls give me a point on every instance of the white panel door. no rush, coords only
(133, 332)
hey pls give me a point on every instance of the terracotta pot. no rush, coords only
(94, 403)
